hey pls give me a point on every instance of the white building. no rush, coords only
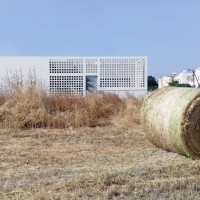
(80, 75)
(185, 77)
(164, 81)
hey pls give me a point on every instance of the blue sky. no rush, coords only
(166, 31)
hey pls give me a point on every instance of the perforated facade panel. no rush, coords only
(104, 74)
(91, 65)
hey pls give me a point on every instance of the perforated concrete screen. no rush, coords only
(91, 65)
(66, 84)
(73, 65)
(120, 75)
(123, 73)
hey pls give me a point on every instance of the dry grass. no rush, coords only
(129, 113)
(92, 163)
(25, 104)
(2, 99)
(30, 107)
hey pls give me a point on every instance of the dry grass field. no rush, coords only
(92, 163)
(71, 147)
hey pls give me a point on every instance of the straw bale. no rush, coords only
(171, 120)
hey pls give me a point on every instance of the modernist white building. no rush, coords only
(80, 75)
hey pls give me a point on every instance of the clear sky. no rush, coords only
(166, 31)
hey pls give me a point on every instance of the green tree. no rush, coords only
(174, 84)
(152, 83)
(177, 84)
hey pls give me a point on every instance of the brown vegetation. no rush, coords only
(30, 107)
(92, 163)
(2, 100)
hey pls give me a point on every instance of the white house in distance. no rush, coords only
(80, 75)
(164, 81)
(185, 77)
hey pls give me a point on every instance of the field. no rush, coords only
(92, 163)
(55, 147)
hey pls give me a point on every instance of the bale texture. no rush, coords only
(171, 120)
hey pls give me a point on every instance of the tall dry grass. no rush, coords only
(26, 104)
(129, 113)
(2, 99)
(30, 107)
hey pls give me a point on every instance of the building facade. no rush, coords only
(82, 75)
(187, 76)
(164, 81)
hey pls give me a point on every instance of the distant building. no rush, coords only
(82, 75)
(164, 81)
(185, 77)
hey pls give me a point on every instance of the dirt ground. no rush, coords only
(92, 163)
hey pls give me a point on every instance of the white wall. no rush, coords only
(184, 77)
(164, 81)
(40, 64)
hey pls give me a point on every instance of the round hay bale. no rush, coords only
(171, 120)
